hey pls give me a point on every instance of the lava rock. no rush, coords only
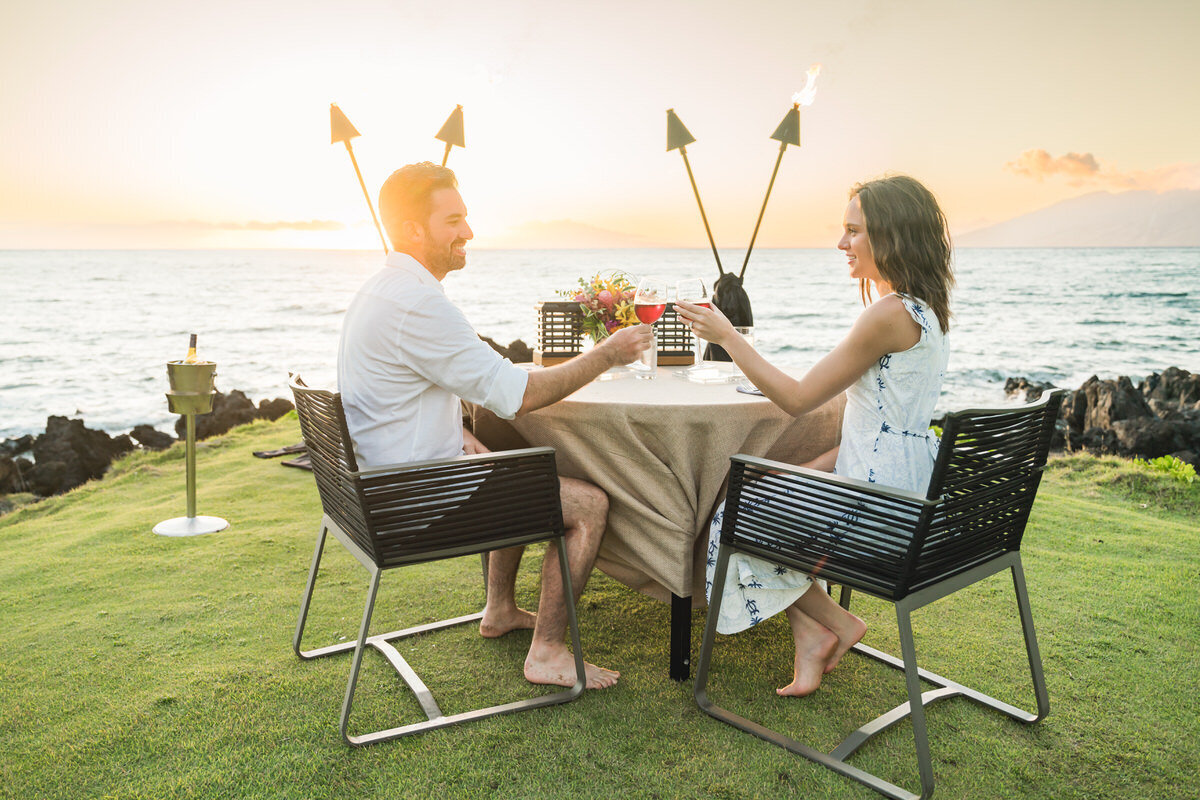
(12, 474)
(1031, 390)
(517, 352)
(229, 411)
(68, 455)
(1150, 438)
(274, 409)
(14, 447)
(151, 438)
(1174, 385)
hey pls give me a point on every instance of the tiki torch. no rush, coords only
(787, 133)
(342, 131)
(678, 138)
(452, 132)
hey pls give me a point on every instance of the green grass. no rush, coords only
(139, 666)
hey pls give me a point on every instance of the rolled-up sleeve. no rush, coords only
(440, 344)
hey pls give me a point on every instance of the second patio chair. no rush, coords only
(902, 547)
(396, 516)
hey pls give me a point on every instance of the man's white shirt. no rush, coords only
(407, 355)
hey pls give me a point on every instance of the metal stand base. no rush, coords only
(914, 709)
(190, 526)
(382, 643)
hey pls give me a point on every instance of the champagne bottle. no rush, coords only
(191, 354)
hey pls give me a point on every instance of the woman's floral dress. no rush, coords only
(885, 439)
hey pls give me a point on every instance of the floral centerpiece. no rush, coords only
(606, 303)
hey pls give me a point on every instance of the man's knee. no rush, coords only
(584, 501)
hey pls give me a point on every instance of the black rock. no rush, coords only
(14, 447)
(1174, 385)
(12, 474)
(274, 409)
(151, 438)
(69, 454)
(1032, 390)
(229, 411)
(518, 352)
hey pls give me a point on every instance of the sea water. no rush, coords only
(88, 333)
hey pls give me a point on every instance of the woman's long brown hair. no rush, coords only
(910, 241)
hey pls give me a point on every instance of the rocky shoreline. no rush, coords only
(1158, 417)
(68, 454)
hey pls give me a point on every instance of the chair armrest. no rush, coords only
(482, 458)
(853, 485)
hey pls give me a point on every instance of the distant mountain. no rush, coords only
(564, 234)
(1101, 219)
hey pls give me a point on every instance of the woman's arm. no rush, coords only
(884, 327)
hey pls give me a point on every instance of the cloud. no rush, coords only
(256, 225)
(1040, 164)
(1082, 169)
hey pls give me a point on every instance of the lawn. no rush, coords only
(139, 666)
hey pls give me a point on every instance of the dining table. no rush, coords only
(660, 449)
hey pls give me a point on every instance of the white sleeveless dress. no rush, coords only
(885, 439)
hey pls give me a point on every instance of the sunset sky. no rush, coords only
(170, 124)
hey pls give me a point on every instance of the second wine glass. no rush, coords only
(693, 290)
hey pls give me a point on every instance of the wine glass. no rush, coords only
(693, 290)
(649, 303)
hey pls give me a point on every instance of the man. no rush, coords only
(408, 354)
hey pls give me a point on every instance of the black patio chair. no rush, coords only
(898, 546)
(396, 516)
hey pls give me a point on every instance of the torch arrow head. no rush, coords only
(788, 131)
(452, 130)
(678, 136)
(340, 129)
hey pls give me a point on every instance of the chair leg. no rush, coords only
(436, 719)
(356, 663)
(308, 591)
(1031, 645)
(916, 704)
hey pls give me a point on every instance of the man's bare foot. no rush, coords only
(496, 623)
(848, 635)
(812, 652)
(558, 669)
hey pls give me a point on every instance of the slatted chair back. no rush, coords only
(986, 478)
(323, 425)
(889, 542)
(410, 513)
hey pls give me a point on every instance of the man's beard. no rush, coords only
(444, 259)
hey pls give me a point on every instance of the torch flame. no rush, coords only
(806, 95)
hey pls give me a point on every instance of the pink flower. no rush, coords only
(580, 297)
(606, 297)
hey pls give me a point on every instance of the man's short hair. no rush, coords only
(406, 194)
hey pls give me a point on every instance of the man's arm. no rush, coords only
(552, 384)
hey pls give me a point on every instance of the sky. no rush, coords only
(162, 124)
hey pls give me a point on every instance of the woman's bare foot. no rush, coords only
(815, 644)
(849, 631)
(557, 668)
(497, 622)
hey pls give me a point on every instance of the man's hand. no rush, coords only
(471, 445)
(626, 344)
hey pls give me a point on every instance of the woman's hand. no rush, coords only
(708, 323)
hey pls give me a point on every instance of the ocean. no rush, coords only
(87, 333)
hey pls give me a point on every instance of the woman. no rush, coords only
(890, 365)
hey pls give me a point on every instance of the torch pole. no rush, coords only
(703, 216)
(446, 156)
(763, 210)
(366, 194)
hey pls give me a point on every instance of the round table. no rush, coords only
(660, 449)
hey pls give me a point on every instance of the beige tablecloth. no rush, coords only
(660, 449)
